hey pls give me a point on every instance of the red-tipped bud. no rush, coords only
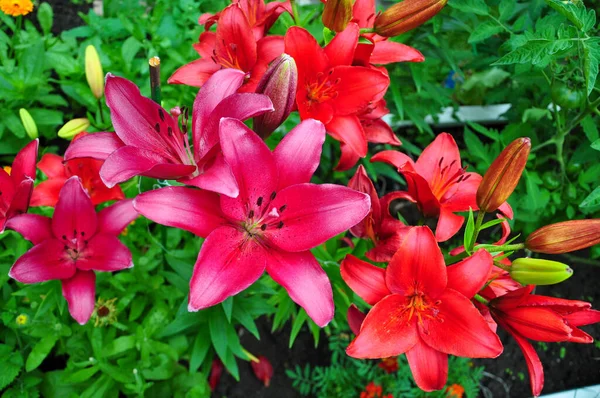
(216, 370)
(263, 370)
(362, 183)
(279, 83)
(504, 174)
(406, 15)
(355, 319)
(337, 14)
(564, 237)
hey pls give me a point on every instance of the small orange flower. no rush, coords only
(455, 391)
(16, 7)
(390, 365)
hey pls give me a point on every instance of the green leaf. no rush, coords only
(470, 6)
(297, 325)
(119, 345)
(475, 146)
(228, 308)
(45, 16)
(33, 60)
(130, 48)
(536, 114)
(200, 349)
(590, 129)
(591, 59)
(491, 223)
(535, 51)
(484, 31)
(592, 200)
(40, 352)
(11, 366)
(217, 325)
(506, 8)
(81, 375)
(576, 12)
(469, 229)
(596, 145)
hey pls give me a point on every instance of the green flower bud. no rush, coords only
(29, 124)
(73, 127)
(535, 271)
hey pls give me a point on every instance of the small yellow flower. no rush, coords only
(8, 169)
(105, 312)
(22, 320)
(16, 7)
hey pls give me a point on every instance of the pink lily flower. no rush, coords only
(273, 223)
(73, 244)
(234, 46)
(438, 184)
(16, 184)
(148, 142)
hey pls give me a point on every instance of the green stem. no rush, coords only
(481, 299)
(295, 13)
(16, 36)
(543, 144)
(367, 30)
(100, 109)
(509, 248)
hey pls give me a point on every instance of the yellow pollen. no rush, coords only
(321, 89)
(8, 169)
(16, 7)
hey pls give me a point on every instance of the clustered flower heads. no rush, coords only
(258, 211)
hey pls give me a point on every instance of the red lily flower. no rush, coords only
(233, 45)
(260, 16)
(438, 183)
(422, 308)
(277, 217)
(73, 244)
(148, 140)
(333, 91)
(526, 316)
(385, 231)
(216, 370)
(87, 169)
(381, 51)
(16, 186)
(263, 370)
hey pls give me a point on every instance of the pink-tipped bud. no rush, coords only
(504, 174)
(278, 83)
(337, 14)
(564, 237)
(263, 370)
(406, 15)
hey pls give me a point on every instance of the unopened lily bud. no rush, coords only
(564, 237)
(29, 124)
(216, 370)
(93, 71)
(406, 15)
(337, 14)
(73, 127)
(355, 318)
(536, 271)
(263, 370)
(279, 83)
(504, 174)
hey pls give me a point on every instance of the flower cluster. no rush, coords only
(258, 211)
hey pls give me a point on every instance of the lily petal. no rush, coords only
(444, 147)
(305, 281)
(355, 318)
(24, 165)
(459, 329)
(114, 219)
(385, 332)
(216, 178)
(393, 158)
(235, 46)
(448, 225)
(428, 366)
(298, 154)
(365, 279)
(105, 253)
(46, 192)
(52, 165)
(190, 209)
(80, 292)
(194, 74)
(470, 275)
(357, 87)
(96, 146)
(419, 259)
(340, 49)
(227, 264)
(387, 52)
(315, 213)
(74, 215)
(349, 130)
(43, 262)
(33, 227)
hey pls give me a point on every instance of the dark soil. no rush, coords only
(66, 14)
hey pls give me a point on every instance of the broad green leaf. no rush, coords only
(217, 325)
(506, 9)
(576, 12)
(484, 31)
(11, 365)
(40, 352)
(596, 145)
(297, 325)
(119, 345)
(470, 6)
(475, 146)
(591, 59)
(592, 200)
(130, 48)
(199, 349)
(535, 51)
(590, 129)
(536, 114)
(45, 16)
(81, 375)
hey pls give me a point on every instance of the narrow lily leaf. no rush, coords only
(217, 325)
(490, 224)
(469, 229)
(297, 325)
(228, 308)
(40, 352)
(200, 349)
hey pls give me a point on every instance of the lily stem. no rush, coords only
(295, 13)
(154, 65)
(481, 299)
(478, 223)
(100, 109)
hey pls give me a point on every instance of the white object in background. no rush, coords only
(584, 392)
(468, 113)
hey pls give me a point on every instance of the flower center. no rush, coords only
(231, 59)
(447, 177)
(262, 216)
(321, 88)
(421, 306)
(75, 246)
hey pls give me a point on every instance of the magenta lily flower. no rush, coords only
(438, 184)
(273, 223)
(73, 244)
(148, 141)
(16, 183)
